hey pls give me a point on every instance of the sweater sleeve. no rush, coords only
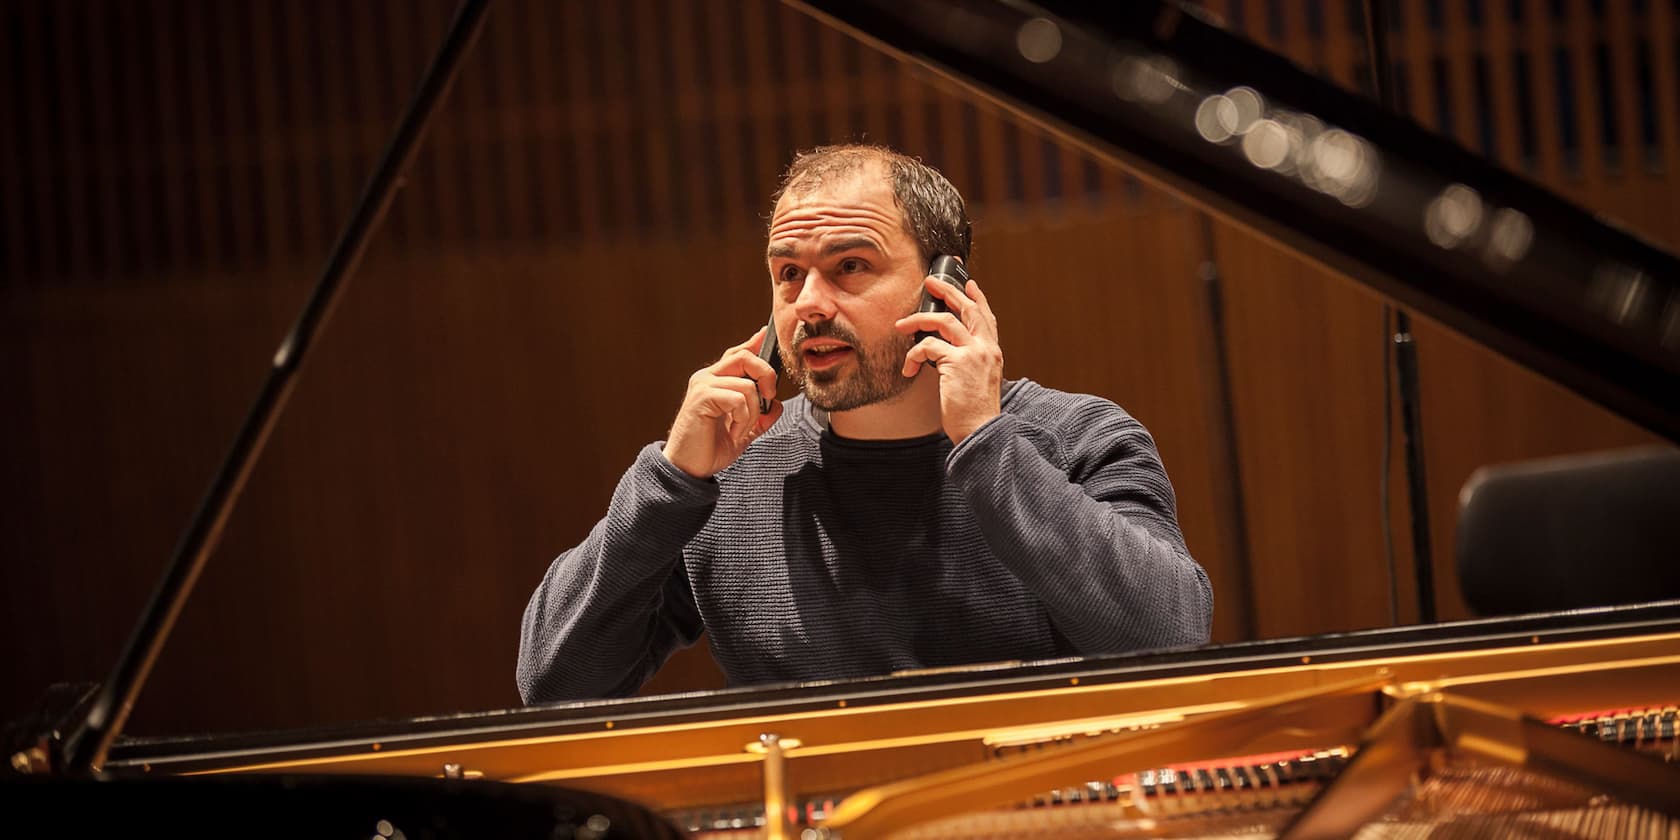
(609, 612)
(1085, 517)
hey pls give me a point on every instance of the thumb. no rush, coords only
(768, 418)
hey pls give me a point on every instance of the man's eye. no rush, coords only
(791, 274)
(852, 265)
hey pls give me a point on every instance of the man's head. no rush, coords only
(933, 210)
(850, 239)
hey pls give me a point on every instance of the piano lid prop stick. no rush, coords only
(84, 750)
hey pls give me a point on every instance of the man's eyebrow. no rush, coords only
(851, 243)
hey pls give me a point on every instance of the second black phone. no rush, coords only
(947, 268)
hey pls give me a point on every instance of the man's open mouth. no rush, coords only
(822, 356)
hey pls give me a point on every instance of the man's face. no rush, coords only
(843, 270)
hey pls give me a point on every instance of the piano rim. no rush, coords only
(238, 752)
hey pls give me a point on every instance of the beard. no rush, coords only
(874, 375)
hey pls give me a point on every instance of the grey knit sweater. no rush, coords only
(1049, 532)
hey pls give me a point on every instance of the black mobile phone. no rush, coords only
(770, 352)
(947, 268)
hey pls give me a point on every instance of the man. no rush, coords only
(909, 509)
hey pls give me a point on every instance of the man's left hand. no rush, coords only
(966, 355)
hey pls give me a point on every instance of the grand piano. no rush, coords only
(1544, 724)
(1233, 739)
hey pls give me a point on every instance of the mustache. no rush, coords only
(822, 329)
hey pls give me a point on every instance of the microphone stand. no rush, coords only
(1405, 358)
(83, 751)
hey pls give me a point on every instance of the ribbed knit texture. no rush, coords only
(1050, 532)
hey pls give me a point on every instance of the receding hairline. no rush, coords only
(809, 182)
(848, 162)
(856, 159)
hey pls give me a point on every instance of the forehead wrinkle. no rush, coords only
(845, 242)
(855, 226)
(849, 243)
(850, 209)
(876, 201)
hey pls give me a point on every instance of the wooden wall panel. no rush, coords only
(1542, 92)
(1305, 352)
(601, 170)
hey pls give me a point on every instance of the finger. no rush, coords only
(954, 298)
(767, 419)
(984, 307)
(752, 344)
(716, 400)
(748, 347)
(734, 408)
(717, 397)
(720, 406)
(745, 388)
(766, 378)
(943, 323)
(743, 361)
(745, 413)
(929, 351)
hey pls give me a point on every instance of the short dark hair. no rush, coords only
(934, 214)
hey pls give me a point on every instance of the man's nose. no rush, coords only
(816, 298)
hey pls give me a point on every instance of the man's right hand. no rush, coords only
(720, 415)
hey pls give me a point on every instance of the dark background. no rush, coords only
(582, 230)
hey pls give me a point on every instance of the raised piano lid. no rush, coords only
(1327, 173)
(1548, 665)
